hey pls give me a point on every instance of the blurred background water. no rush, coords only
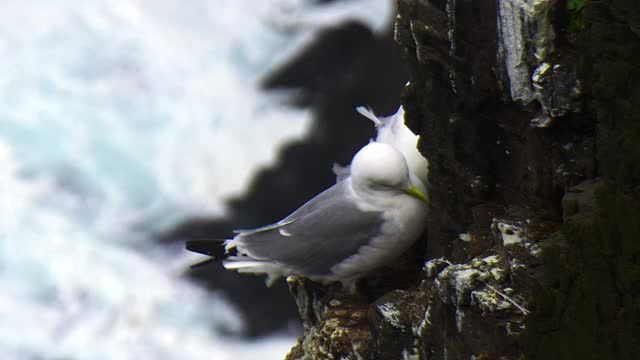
(119, 120)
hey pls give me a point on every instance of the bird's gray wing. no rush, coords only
(323, 232)
(329, 195)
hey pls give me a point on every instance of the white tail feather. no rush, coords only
(368, 113)
(245, 264)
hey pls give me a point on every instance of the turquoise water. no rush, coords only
(117, 121)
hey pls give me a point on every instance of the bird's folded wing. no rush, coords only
(320, 234)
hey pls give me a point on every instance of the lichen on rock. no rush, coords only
(336, 324)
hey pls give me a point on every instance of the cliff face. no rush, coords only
(528, 116)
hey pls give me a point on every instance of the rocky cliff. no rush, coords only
(528, 112)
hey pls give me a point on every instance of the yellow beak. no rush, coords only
(416, 193)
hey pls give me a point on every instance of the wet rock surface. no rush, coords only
(532, 246)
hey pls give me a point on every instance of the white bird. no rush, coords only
(391, 130)
(361, 223)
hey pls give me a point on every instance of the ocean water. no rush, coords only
(118, 119)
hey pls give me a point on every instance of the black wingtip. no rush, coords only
(212, 248)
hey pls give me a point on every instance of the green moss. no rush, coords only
(575, 10)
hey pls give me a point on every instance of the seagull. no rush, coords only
(361, 223)
(391, 130)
